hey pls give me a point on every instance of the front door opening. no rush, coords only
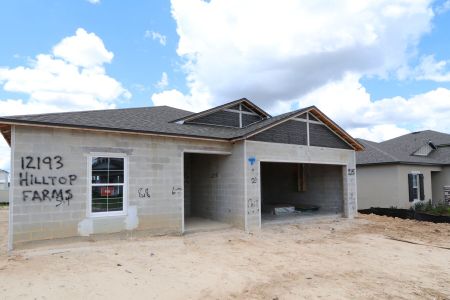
(292, 190)
(204, 201)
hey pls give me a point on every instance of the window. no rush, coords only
(108, 185)
(416, 187)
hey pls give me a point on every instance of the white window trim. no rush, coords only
(415, 175)
(124, 211)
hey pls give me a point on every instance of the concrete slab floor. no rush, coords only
(196, 224)
(297, 217)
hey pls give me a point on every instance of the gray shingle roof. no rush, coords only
(156, 119)
(153, 120)
(400, 149)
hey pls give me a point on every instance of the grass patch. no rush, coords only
(438, 209)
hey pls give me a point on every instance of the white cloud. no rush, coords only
(443, 7)
(379, 133)
(430, 69)
(271, 51)
(71, 77)
(154, 35)
(177, 99)
(93, 1)
(83, 50)
(350, 105)
(297, 53)
(163, 82)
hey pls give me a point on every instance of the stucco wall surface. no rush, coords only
(387, 185)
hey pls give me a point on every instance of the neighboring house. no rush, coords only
(153, 168)
(405, 170)
(4, 186)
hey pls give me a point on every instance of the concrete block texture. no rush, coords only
(214, 186)
(51, 181)
(168, 179)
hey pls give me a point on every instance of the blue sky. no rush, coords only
(378, 68)
(31, 27)
(436, 42)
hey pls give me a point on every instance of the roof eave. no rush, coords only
(400, 163)
(10, 122)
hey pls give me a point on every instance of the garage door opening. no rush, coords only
(290, 191)
(204, 205)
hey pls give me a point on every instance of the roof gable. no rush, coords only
(238, 114)
(324, 128)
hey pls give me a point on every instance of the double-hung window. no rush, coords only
(108, 185)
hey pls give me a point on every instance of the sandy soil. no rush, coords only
(353, 259)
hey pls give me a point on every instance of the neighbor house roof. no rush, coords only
(403, 149)
(164, 120)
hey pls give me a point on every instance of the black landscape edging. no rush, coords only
(405, 214)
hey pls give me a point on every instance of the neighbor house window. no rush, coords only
(108, 185)
(416, 187)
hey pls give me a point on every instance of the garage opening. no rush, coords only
(204, 192)
(290, 191)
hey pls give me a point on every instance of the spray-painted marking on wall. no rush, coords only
(351, 171)
(30, 162)
(252, 206)
(54, 192)
(253, 201)
(144, 192)
(176, 190)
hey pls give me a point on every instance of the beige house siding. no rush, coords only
(387, 185)
(404, 170)
(377, 186)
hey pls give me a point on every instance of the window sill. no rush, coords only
(108, 214)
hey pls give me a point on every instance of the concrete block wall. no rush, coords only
(187, 184)
(217, 186)
(324, 185)
(231, 189)
(205, 178)
(255, 152)
(154, 164)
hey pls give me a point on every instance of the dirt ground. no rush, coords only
(340, 259)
